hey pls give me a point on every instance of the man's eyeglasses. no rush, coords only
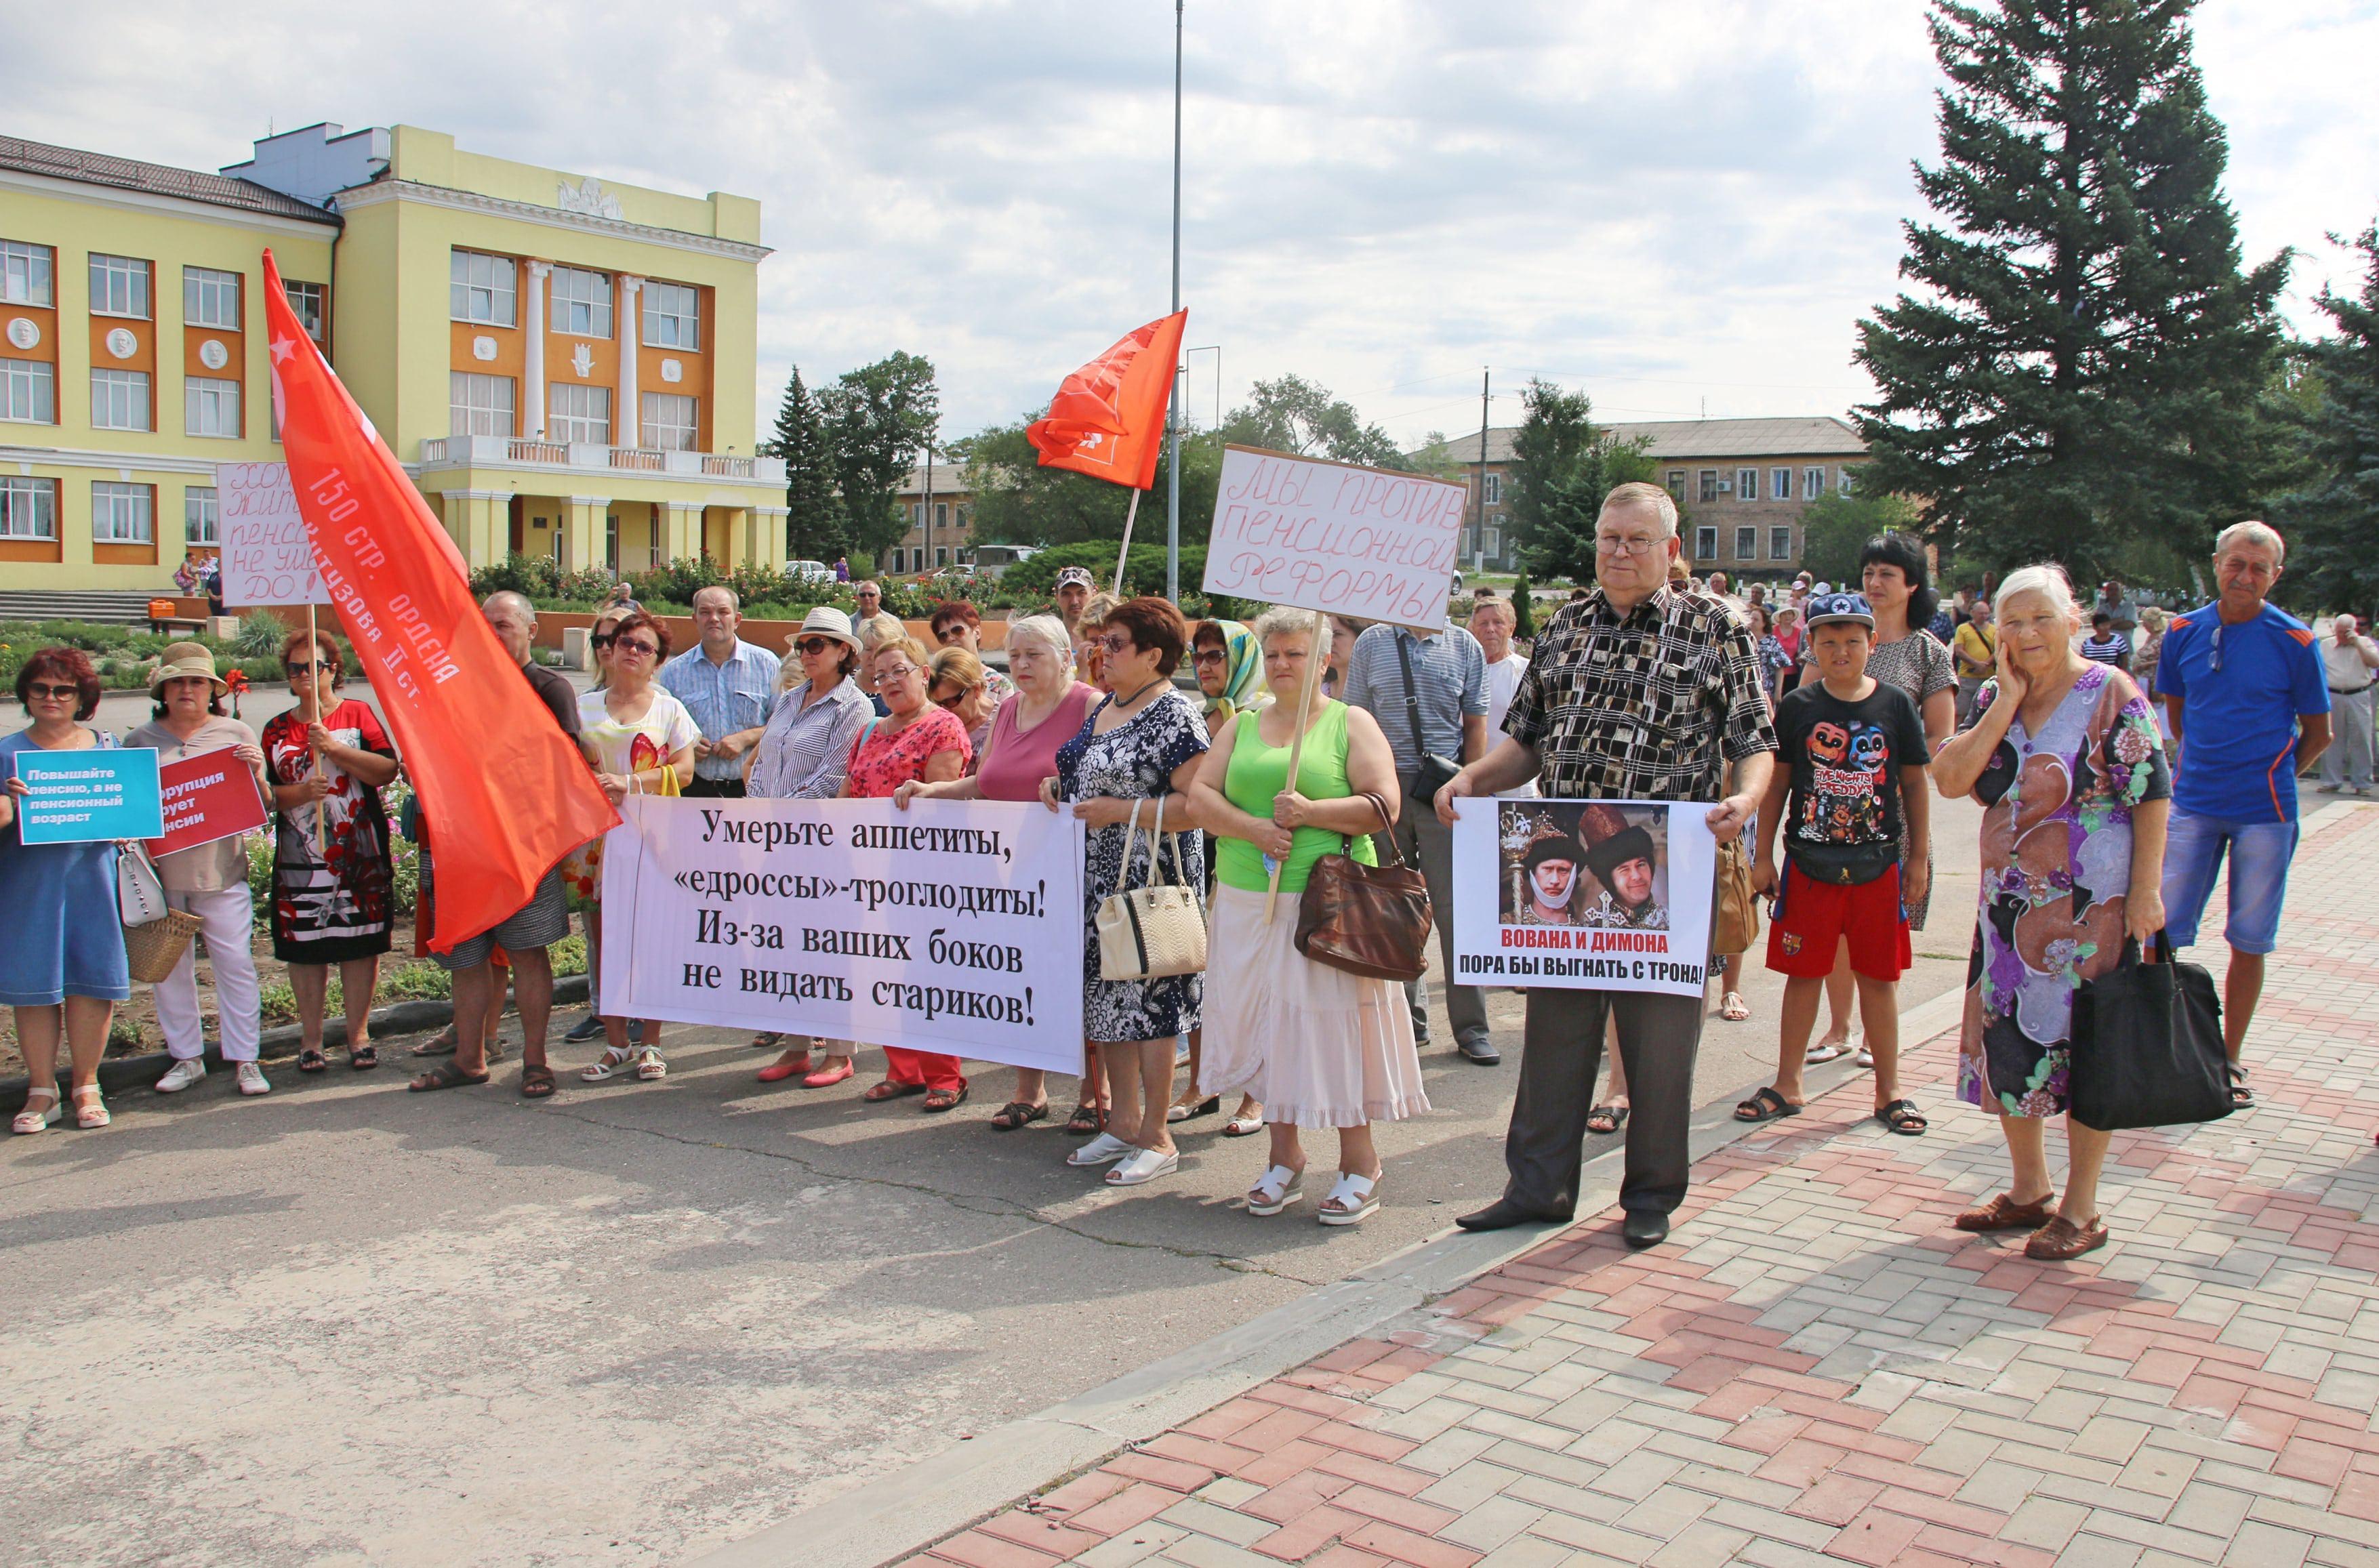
(636, 645)
(816, 645)
(1608, 545)
(296, 669)
(42, 692)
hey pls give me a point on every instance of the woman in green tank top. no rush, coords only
(1318, 1047)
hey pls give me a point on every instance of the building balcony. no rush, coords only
(589, 457)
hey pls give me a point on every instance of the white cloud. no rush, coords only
(1681, 206)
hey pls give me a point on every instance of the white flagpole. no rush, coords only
(1120, 554)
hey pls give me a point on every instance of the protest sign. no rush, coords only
(1585, 895)
(267, 558)
(1333, 538)
(206, 798)
(76, 797)
(955, 926)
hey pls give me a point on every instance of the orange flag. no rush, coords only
(505, 792)
(1107, 420)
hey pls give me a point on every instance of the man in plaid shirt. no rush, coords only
(1636, 692)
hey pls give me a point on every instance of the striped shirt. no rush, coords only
(806, 747)
(1449, 682)
(725, 699)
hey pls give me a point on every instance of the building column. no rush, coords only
(769, 535)
(681, 530)
(533, 368)
(582, 532)
(624, 423)
(455, 511)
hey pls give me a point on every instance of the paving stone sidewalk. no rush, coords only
(1817, 1368)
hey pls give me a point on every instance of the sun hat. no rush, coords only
(1075, 575)
(827, 621)
(1824, 608)
(181, 659)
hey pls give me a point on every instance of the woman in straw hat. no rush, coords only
(208, 880)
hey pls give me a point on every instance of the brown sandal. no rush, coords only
(1016, 1114)
(891, 1089)
(536, 1081)
(944, 1099)
(2060, 1241)
(2003, 1213)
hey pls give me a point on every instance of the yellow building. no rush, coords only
(566, 366)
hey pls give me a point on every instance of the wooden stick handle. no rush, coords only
(1318, 656)
(1124, 551)
(322, 810)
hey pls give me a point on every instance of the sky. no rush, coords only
(1683, 207)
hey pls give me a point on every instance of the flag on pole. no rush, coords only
(505, 794)
(1107, 420)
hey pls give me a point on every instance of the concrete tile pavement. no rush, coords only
(1819, 1369)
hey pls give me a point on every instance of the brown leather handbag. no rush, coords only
(1735, 914)
(1368, 920)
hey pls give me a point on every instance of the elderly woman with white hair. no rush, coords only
(1046, 711)
(2063, 757)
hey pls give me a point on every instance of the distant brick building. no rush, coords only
(946, 537)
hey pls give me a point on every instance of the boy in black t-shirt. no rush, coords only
(1852, 787)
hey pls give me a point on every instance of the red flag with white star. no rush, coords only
(1107, 420)
(505, 792)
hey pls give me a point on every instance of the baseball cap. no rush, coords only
(1824, 607)
(1075, 575)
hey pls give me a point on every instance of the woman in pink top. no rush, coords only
(1047, 711)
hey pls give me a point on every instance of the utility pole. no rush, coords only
(1479, 539)
(1173, 404)
(925, 517)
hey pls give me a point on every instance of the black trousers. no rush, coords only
(1560, 1054)
(715, 789)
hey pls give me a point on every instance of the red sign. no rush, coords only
(207, 796)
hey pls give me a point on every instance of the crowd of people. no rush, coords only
(1817, 718)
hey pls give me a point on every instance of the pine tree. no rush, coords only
(2083, 364)
(816, 528)
(2332, 525)
(1524, 607)
(1562, 464)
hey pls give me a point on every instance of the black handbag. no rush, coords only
(2147, 1045)
(1434, 772)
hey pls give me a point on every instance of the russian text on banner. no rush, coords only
(267, 556)
(78, 797)
(205, 798)
(1330, 537)
(1587, 895)
(955, 926)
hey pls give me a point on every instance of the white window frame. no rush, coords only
(483, 288)
(1813, 483)
(29, 507)
(1677, 484)
(571, 413)
(1747, 534)
(1494, 489)
(1746, 491)
(1842, 485)
(119, 399)
(310, 304)
(27, 273)
(122, 514)
(210, 298)
(1780, 542)
(1780, 484)
(1709, 487)
(581, 303)
(480, 406)
(897, 557)
(202, 516)
(668, 421)
(1495, 542)
(672, 316)
(941, 557)
(1705, 540)
(210, 407)
(119, 286)
(29, 392)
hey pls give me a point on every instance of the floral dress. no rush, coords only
(334, 903)
(882, 761)
(1134, 761)
(2056, 863)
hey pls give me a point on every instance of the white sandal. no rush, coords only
(1240, 1126)
(90, 1107)
(1356, 1196)
(651, 1064)
(1143, 1164)
(1825, 1050)
(1104, 1149)
(1280, 1187)
(613, 1063)
(30, 1120)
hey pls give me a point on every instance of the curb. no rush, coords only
(119, 1073)
(905, 1511)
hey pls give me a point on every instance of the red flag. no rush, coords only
(505, 792)
(1107, 420)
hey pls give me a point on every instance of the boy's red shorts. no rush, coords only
(1812, 917)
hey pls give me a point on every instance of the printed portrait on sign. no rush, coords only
(1588, 864)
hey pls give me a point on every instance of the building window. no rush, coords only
(579, 414)
(201, 519)
(1779, 543)
(29, 390)
(119, 286)
(1706, 538)
(897, 559)
(28, 508)
(1746, 544)
(25, 272)
(941, 556)
(1780, 484)
(306, 299)
(1813, 483)
(672, 316)
(1708, 490)
(1844, 486)
(119, 399)
(1495, 541)
(941, 514)
(1747, 484)
(612, 540)
(480, 289)
(667, 421)
(120, 514)
(1494, 489)
(210, 407)
(210, 298)
(582, 303)
(1677, 483)
(966, 517)
(916, 514)
(479, 405)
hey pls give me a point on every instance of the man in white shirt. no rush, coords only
(2350, 662)
(1493, 623)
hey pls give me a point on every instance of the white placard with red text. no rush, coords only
(267, 557)
(1334, 538)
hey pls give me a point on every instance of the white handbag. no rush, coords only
(1152, 931)
(155, 934)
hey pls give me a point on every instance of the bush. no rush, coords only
(261, 633)
(1524, 614)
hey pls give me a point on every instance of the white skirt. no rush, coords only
(1319, 1047)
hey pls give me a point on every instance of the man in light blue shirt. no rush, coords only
(728, 686)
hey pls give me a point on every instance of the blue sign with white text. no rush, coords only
(75, 797)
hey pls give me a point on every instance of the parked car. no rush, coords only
(990, 560)
(809, 572)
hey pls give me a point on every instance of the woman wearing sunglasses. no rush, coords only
(957, 625)
(638, 739)
(578, 879)
(334, 876)
(956, 680)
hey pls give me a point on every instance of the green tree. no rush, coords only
(1562, 464)
(879, 419)
(816, 528)
(2082, 361)
(1837, 526)
(1524, 609)
(2335, 519)
(1439, 458)
(1296, 415)
(1019, 502)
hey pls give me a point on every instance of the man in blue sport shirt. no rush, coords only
(2249, 701)
(729, 685)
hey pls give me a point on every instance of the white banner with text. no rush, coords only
(1331, 536)
(955, 926)
(267, 555)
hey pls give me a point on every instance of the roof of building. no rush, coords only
(1685, 440)
(949, 478)
(154, 179)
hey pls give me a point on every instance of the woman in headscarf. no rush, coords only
(1229, 669)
